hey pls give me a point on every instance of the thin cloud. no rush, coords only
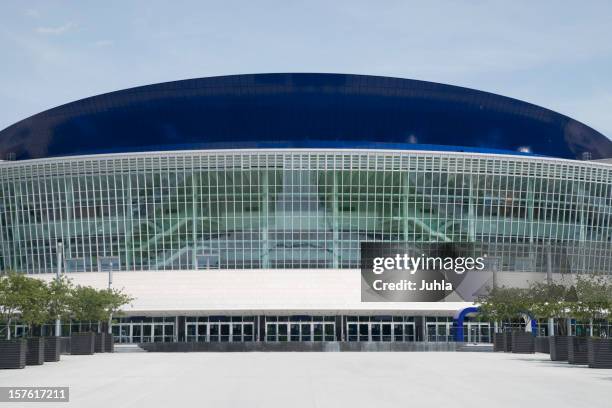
(32, 13)
(103, 43)
(55, 30)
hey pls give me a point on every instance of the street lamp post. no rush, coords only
(60, 250)
(110, 284)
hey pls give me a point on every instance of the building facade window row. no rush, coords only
(292, 210)
(305, 328)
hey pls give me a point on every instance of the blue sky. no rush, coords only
(557, 54)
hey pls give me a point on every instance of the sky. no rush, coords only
(557, 54)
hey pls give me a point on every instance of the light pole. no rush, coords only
(110, 284)
(60, 250)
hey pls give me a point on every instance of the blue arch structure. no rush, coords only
(460, 316)
(534, 323)
(300, 110)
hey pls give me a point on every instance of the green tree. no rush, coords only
(90, 304)
(24, 298)
(10, 299)
(547, 300)
(86, 304)
(503, 303)
(59, 298)
(113, 301)
(593, 298)
(34, 311)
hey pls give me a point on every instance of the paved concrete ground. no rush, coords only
(147, 380)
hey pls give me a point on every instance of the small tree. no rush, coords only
(33, 308)
(114, 300)
(86, 304)
(593, 301)
(549, 300)
(90, 304)
(9, 300)
(22, 297)
(503, 303)
(59, 298)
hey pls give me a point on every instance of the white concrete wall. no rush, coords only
(271, 291)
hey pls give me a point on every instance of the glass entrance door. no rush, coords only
(380, 331)
(277, 331)
(139, 332)
(136, 333)
(439, 332)
(477, 332)
(300, 328)
(220, 331)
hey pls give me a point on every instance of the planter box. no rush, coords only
(100, 343)
(65, 345)
(82, 343)
(498, 342)
(508, 342)
(35, 354)
(523, 343)
(109, 343)
(13, 353)
(600, 353)
(577, 352)
(542, 344)
(558, 348)
(53, 347)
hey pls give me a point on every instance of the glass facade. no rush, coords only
(306, 328)
(213, 329)
(381, 328)
(295, 209)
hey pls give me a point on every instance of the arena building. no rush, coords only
(233, 208)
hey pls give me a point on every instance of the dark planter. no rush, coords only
(599, 353)
(577, 352)
(109, 343)
(542, 344)
(13, 353)
(558, 348)
(499, 341)
(65, 345)
(53, 348)
(508, 342)
(35, 355)
(523, 342)
(100, 343)
(82, 343)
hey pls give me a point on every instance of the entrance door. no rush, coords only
(147, 333)
(278, 331)
(477, 332)
(236, 332)
(351, 332)
(306, 332)
(224, 329)
(136, 333)
(364, 332)
(439, 332)
(213, 332)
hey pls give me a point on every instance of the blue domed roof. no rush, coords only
(300, 111)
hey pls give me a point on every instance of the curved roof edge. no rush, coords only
(299, 111)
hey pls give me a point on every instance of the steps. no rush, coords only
(128, 348)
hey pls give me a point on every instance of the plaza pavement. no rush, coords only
(295, 380)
